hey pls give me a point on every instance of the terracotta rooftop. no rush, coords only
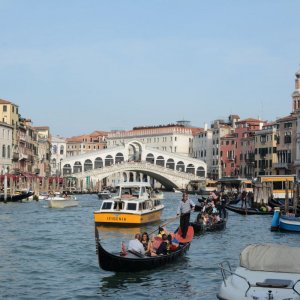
(41, 127)
(291, 117)
(250, 120)
(2, 101)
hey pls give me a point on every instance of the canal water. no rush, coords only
(50, 254)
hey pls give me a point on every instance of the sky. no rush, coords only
(80, 66)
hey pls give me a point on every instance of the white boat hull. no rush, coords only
(62, 203)
(237, 288)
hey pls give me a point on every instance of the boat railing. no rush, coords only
(295, 285)
(224, 272)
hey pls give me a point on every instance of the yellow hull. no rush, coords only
(126, 218)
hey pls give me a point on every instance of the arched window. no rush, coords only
(77, 167)
(170, 164)
(119, 158)
(180, 166)
(3, 151)
(53, 163)
(160, 161)
(88, 165)
(109, 160)
(201, 172)
(67, 170)
(190, 169)
(61, 151)
(54, 149)
(98, 163)
(150, 158)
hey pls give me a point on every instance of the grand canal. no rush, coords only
(50, 254)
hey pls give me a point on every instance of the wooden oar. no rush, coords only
(164, 224)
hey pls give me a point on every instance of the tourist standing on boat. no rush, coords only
(184, 211)
(244, 199)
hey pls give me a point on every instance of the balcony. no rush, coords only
(15, 156)
(22, 139)
(282, 166)
(231, 158)
(23, 156)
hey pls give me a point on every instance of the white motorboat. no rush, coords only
(62, 201)
(43, 195)
(105, 194)
(266, 271)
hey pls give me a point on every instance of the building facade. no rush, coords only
(266, 150)
(85, 143)
(175, 138)
(58, 153)
(42, 164)
(9, 114)
(202, 143)
(6, 146)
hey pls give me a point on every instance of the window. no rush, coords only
(106, 205)
(131, 206)
(54, 149)
(4, 108)
(3, 151)
(287, 139)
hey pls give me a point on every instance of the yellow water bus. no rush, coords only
(279, 184)
(132, 206)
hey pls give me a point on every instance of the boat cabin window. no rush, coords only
(131, 206)
(278, 185)
(135, 192)
(126, 191)
(118, 205)
(106, 205)
(141, 206)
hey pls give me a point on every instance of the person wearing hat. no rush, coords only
(184, 211)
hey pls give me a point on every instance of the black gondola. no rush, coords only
(134, 262)
(15, 198)
(199, 228)
(248, 211)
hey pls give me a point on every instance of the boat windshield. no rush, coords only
(131, 206)
(106, 205)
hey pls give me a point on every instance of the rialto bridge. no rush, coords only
(134, 162)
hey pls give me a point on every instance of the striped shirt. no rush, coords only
(185, 207)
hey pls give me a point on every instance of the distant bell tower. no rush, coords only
(296, 93)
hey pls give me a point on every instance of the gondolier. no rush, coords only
(184, 210)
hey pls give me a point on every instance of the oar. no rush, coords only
(164, 224)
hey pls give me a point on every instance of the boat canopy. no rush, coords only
(271, 258)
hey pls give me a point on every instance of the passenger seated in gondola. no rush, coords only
(206, 220)
(146, 242)
(163, 247)
(173, 243)
(136, 245)
(215, 218)
(199, 218)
